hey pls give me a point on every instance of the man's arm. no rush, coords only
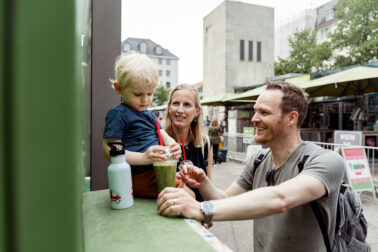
(253, 204)
(269, 200)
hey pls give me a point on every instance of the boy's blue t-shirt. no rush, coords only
(137, 130)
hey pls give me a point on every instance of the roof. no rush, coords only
(287, 76)
(151, 45)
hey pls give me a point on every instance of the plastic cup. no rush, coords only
(188, 162)
(165, 173)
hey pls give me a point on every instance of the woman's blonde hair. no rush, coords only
(195, 129)
(134, 67)
(214, 123)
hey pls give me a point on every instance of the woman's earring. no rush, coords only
(195, 119)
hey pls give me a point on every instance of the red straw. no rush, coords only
(158, 130)
(183, 149)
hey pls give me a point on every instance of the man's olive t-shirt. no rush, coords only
(297, 228)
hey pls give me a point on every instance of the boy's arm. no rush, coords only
(167, 140)
(106, 148)
(151, 155)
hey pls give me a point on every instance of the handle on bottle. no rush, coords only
(111, 144)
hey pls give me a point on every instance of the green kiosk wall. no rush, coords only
(41, 166)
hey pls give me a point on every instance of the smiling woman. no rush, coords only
(184, 118)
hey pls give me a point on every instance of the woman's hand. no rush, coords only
(192, 176)
(154, 154)
(177, 201)
(175, 150)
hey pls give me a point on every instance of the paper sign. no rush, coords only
(357, 169)
(248, 131)
(208, 236)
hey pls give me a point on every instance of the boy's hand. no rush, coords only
(154, 154)
(175, 150)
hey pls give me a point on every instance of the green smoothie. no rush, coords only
(165, 174)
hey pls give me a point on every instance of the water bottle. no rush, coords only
(119, 176)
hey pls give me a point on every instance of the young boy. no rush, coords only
(133, 124)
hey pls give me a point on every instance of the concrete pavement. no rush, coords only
(238, 235)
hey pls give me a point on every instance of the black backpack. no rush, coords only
(351, 225)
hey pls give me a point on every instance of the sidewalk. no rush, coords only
(238, 235)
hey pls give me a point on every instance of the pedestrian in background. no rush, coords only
(214, 133)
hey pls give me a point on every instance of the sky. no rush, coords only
(177, 25)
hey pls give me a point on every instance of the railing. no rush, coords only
(237, 145)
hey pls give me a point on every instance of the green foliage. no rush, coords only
(356, 36)
(283, 67)
(320, 53)
(305, 54)
(357, 31)
(161, 95)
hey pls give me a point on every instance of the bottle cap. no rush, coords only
(116, 149)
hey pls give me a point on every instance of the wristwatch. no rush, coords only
(208, 211)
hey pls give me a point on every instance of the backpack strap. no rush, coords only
(260, 157)
(315, 208)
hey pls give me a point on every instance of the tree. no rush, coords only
(161, 95)
(305, 54)
(283, 67)
(356, 32)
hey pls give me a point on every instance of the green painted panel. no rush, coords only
(46, 149)
(138, 228)
(2, 121)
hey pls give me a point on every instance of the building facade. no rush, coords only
(238, 48)
(321, 20)
(303, 20)
(166, 62)
(326, 23)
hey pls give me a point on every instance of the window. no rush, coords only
(325, 33)
(126, 47)
(158, 50)
(259, 51)
(168, 73)
(329, 15)
(168, 62)
(160, 72)
(250, 50)
(168, 84)
(241, 49)
(160, 61)
(143, 47)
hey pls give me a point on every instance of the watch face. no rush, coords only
(208, 208)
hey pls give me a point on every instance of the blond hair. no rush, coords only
(134, 67)
(214, 123)
(195, 130)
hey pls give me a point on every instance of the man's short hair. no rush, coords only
(294, 99)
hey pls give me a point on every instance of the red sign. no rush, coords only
(354, 154)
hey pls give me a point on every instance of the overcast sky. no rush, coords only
(177, 26)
